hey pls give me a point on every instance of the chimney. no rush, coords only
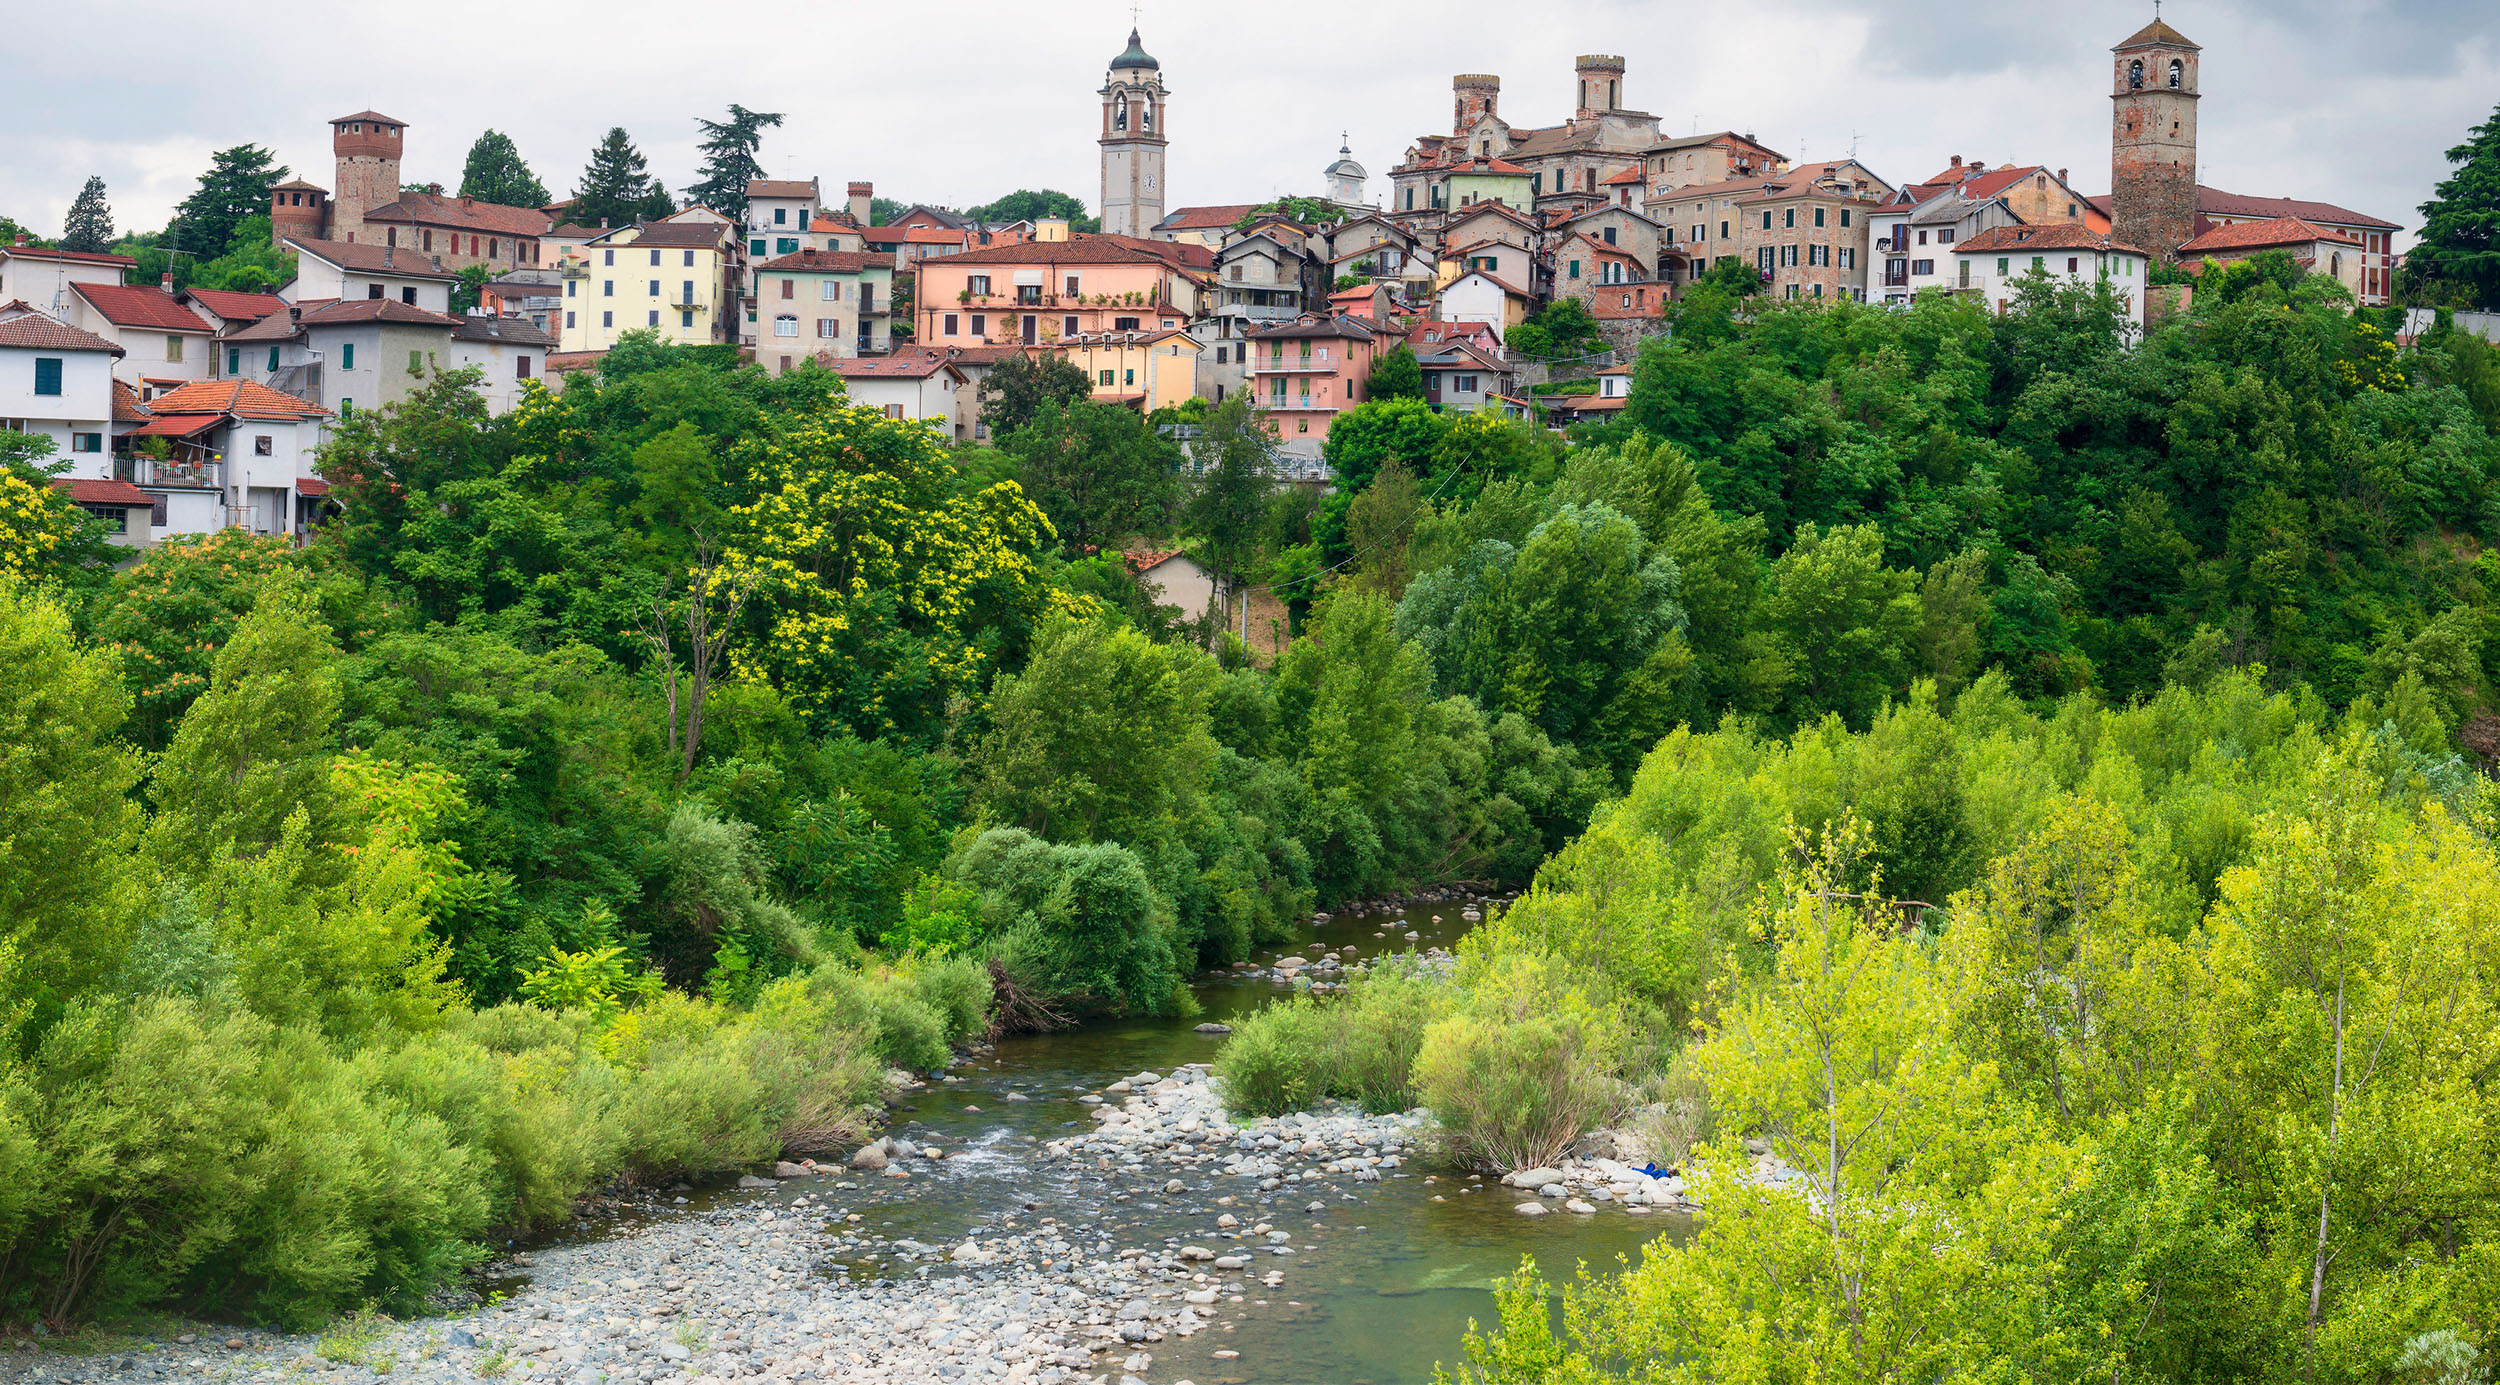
(861, 196)
(21, 237)
(167, 282)
(433, 189)
(467, 201)
(2061, 175)
(1957, 161)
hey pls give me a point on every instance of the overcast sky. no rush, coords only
(956, 101)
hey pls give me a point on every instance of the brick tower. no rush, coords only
(1135, 108)
(2152, 141)
(367, 145)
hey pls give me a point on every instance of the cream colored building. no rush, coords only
(668, 277)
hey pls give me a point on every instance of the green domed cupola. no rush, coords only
(1135, 56)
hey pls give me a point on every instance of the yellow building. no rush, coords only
(1153, 370)
(669, 277)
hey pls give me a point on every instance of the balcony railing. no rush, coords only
(1896, 278)
(172, 474)
(1271, 365)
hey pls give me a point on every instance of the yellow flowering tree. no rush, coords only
(41, 533)
(885, 592)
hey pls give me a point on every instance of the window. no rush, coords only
(1922, 237)
(828, 326)
(1029, 295)
(979, 284)
(347, 408)
(755, 247)
(1945, 236)
(685, 291)
(48, 373)
(2004, 266)
(785, 246)
(789, 288)
(655, 257)
(347, 356)
(1965, 274)
(2135, 74)
(654, 290)
(2178, 74)
(607, 319)
(1104, 380)
(1627, 300)
(950, 324)
(781, 216)
(607, 288)
(1788, 217)
(980, 324)
(689, 260)
(173, 347)
(1223, 355)
(1723, 230)
(1788, 256)
(86, 442)
(273, 360)
(893, 411)
(1132, 377)
(1124, 324)
(572, 288)
(1766, 221)
(1848, 257)
(607, 257)
(1844, 216)
(1610, 235)
(2072, 264)
(408, 295)
(1575, 269)
(1068, 326)
(116, 520)
(686, 318)
(785, 326)
(2039, 262)
(1767, 259)
(1818, 216)
(521, 368)
(234, 360)
(1922, 267)
(653, 320)
(829, 290)
(571, 320)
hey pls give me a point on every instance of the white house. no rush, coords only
(58, 381)
(1476, 296)
(1994, 264)
(236, 454)
(510, 351)
(1911, 247)
(164, 343)
(1171, 578)
(342, 269)
(40, 278)
(909, 384)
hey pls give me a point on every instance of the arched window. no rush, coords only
(785, 326)
(1119, 116)
(2135, 74)
(2178, 74)
(1146, 115)
(2335, 264)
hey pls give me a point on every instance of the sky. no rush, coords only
(954, 102)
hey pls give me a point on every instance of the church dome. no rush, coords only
(1345, 166)
(1134, 56)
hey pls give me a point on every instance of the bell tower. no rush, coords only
(367, 146)
(2152, 150)
(1135, 130)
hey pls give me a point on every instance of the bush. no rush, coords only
(1528, 1067)
(1360, 1047)
(1088, 928)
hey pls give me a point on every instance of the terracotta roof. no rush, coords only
(1730, 187)
(368, 115)
(915, 365)
(982, 355)
(463, 214)
(93, 257)
(2247, 235)
(827, 262)
(2214, 202)
(510, 331)
(1081, 250)
(575, 231)
(1339, 325)
(234, 306)
(1359, 291)
(1458, 355)
(680, 235)
(128, 305)
(781, 187)
(828, 220)
(345, 310)
(2059, 236)
(240, 398)
(178, 426)
(1149, 559)
(1206, 218)
(311, 485)
(2156, 32)
(1723, 136)
(1587, 403)
(1137, 338)
(1483, 166)
(914, 235)
(1631, 175)
(372, 259)
(22, 326)
(84, 491)
(127, 406)
(298, 185)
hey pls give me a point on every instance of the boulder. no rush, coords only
(1533, 1178)
(785, 1169)
(870, 1156)
(1211, 1027)
(1530, 1209)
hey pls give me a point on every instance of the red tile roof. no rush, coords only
(237, 307)
(241, 398)
(1630, 175)
(93, 257)
(373, 310)
(2213, 202)
(23, 326)
(1206, 218)
(127, 406)
(779, 187)
(562, 362)
(2248, 235)
(463, 214)
(2057, 236)
(1082, 250)
(85, 491)
(128, 305)
(1490, 279)
(368, 115)
(396, 261)
(1483, 166)
(915, 365)
(180, 426)
(826, 262)
(915, 235)
(311, 485)
(2156, 32)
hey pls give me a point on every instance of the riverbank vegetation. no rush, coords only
(621, 786)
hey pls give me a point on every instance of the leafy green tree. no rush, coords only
(1563, 330)
(65, 883)
(1103, 737)
(1306, 211)
(616, 187)
(1380, 531)
(1380, 430)
(729, 161)
(88, 227)
(466, 294)
(495, 173)
(1026, 204)
(1015, 389)
(1234, 458)
(235, 187)
(1844, 621)
(1098, 470)
(2460, 238)
(1395, 376)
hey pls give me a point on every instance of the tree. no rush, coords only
(495, 173)
(1845, 621)
(89, 226)
(1563, 331)
(1098, 470)
(1016, 388)
(1103, 737)
(1395, 376)
(1234, 456)
(707, 633)
(43, 535)
(1306, 211)
(466, 294)
(1026, 204)
(616, 187)
(1380, 430)
(1380, 531)
(2460, 240)
(729, 162)
(235, 186)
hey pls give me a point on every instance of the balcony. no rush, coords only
(1896, 278)
(1289, 365)
(170, 474)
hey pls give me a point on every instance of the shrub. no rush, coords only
(1094, 931)
(1527, 1067)
(1275, 1060)
(1360, 1047)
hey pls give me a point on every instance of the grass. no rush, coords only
(349, 1342)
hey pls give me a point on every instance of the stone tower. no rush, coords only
(1601, 84)
(1134, 133)
(367, 145)
(1475, 96)
(1346, 178)
(2152, 141)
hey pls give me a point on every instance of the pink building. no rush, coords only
(1306, 371)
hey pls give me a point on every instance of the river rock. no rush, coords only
(1530, 1209)
(1211, 1027)
(870, 1156)
(785, 1169)
(1576, 1205)
(1533, 1178)
(748, 1180)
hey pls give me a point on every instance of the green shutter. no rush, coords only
(47, 375)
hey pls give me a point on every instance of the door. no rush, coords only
(1030, 336)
